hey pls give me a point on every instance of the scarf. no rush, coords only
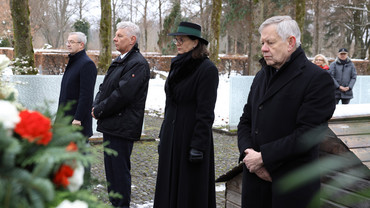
(182, 66)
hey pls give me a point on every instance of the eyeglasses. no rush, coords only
(319, 60)
(179, 41)
(70, 42)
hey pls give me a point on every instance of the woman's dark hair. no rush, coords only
(200, 51)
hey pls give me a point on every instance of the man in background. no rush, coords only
(344, 75)
(78, 83)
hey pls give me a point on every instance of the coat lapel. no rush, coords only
(286, 74)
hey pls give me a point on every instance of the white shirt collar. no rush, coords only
(123, 55)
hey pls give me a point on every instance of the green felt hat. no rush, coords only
(190, 29)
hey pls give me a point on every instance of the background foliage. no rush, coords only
(326, 25)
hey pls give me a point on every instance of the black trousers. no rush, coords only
(117, 170)
(344, 101)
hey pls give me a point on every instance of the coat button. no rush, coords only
(120, 114)
(256, 131)
(260, 107)
(173, 121)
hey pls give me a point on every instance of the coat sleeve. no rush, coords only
(332, 72)
(245, 122)
(88, 75)
(125, 94)
(244, 128)
(206, 99)
(353, 76)
(316, 109)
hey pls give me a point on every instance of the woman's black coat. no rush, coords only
(78, 86)
(280, 120)
(189, 116)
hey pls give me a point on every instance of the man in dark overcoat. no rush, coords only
(289, 104)
(78, 83)
(119, 107)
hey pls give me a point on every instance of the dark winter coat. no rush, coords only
(120, 103)
(191, 91)
(344, 74)
(281, 110)
(78, 84)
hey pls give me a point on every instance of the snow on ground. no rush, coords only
(156, 98)
(342, 111)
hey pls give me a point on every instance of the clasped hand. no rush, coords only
(343, 89)
(253, 161)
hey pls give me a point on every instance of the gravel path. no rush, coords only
(144, 160)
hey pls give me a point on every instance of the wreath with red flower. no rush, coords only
(34, 127)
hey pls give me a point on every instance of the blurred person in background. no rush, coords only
(344, 75)
(321, 61)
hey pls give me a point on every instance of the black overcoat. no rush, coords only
(78, 84)
(189, 116)
(281, 110)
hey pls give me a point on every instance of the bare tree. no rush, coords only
(117, 7)
(317, 27)
(53, 19)
(81, 6)
(216, 27)
(160, 3)
(145, 21)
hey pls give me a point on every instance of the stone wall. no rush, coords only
(53, 62)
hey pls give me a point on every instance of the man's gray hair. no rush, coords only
(132, 29)
(285, 27)
(81, 37)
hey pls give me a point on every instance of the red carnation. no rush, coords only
(62, 175)
(72, 147)
(34, 127)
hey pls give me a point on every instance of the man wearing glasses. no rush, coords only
(78, 83)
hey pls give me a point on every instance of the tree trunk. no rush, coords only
(250, 26)
(131, 11)
(145, 25)
(105, 56)
(359, 48)
(300, 14)
(114, 18)
(317, 28)
(215, 25)
(160, 14)
(22, 31)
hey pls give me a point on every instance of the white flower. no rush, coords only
(76, 181)
(9, 115)
(76, 204)
(4, 62)
(7, 89)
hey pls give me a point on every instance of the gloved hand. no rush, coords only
(195, 156)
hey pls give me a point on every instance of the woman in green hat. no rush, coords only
(186, 172)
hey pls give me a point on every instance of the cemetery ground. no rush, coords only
(144, 161)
